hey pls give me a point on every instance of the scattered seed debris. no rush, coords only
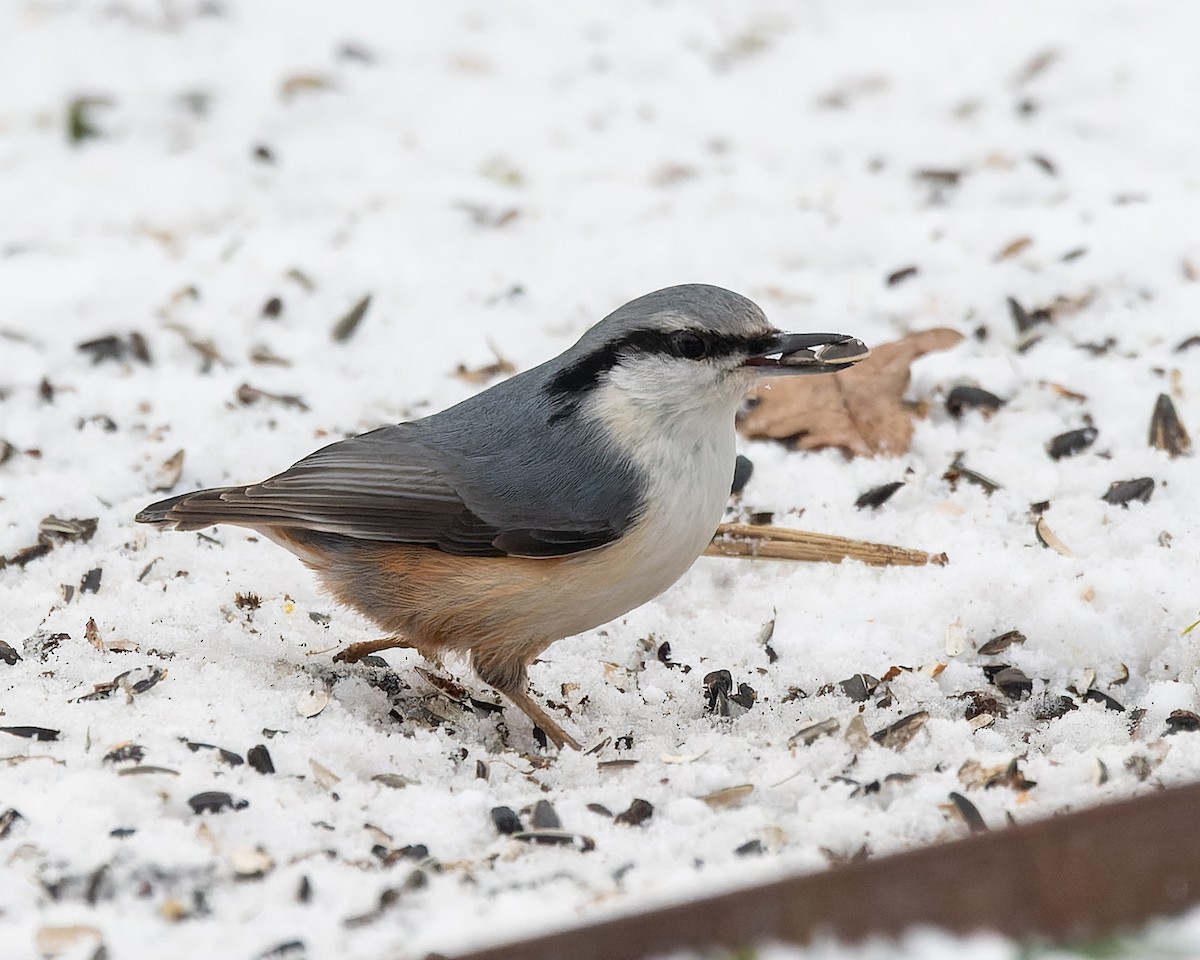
(1183, 721)
(247, 395)
(346, 327)
(969, 812)
(958, 470)
(387, 899)
(1047, 538)
(965, 397)
(728, 796)
(1099, 696)
(500, 367)
(751, 848)
(1002, 642)
(1023, 319)
(8, 819)
(325, 778)
(811, 732)
(1012, 248)
(90, 582)
(876, 497)
(1121, 493)
(110, 347)
(138, 680)
(51, 532)
(312, 702)
(898, 735)
(983, 704)
(215, 801)
(250, 862)
(765, 634)
(133, 752)
(206, 349)
(638, 813)
(681, 757)
(557, 838)
(664, 657)
(743, 470)
(506, 820)
(1012, 680)
(31, 733)
(298, 83)
(78, 940)
(544, 817)
(227, 756)
(859, 687)
(247, 601)
(168, 473)
(1038, 64)
(284, 949)
(1072, 442)
(857, 736)
(80, 118)
(260, 759)
(394, 780)
(1166, 429)
(717, 687)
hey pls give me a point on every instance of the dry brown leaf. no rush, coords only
(860, 410)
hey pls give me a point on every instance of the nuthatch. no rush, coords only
(542, 507)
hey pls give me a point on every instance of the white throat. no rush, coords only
(682, 439)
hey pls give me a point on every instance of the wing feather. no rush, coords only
(390, 486)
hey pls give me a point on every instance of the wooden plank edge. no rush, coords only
(1075, 876)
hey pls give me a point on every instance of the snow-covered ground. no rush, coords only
(498, 177)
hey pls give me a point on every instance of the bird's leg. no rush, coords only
(510, 679)
(356, 651)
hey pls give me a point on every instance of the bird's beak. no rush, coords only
(809, 353)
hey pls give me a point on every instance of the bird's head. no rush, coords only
(693, 348)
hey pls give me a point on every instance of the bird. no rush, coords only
(547, 505)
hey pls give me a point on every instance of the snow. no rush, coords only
(498, 178)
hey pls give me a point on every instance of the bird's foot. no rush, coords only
(356, 651)
(533, 710)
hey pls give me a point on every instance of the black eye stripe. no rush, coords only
(586, 372)
(689, 345)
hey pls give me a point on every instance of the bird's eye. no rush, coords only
(690, 345)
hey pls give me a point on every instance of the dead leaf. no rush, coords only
(860, 410)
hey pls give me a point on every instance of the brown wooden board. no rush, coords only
(1078, 875)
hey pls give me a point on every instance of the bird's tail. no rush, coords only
(193, 511)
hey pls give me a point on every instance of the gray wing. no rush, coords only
(393, 486)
